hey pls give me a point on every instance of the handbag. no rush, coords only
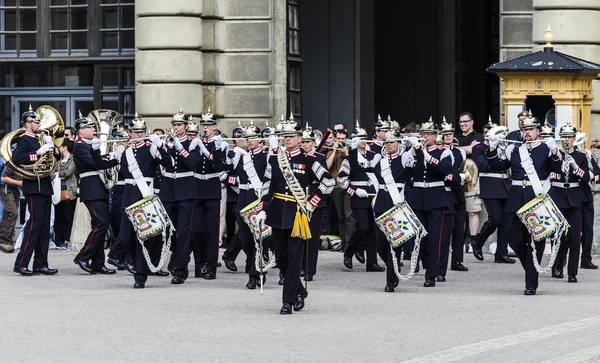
(65, 196)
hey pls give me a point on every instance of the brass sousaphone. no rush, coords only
(106, 121)
(51, 124)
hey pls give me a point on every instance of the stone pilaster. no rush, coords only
(168, 62)
(516, 18)
(239, 61)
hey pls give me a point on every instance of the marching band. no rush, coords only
(405, 191)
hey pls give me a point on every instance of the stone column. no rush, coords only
(240, 66)
(168, 62)
(515, 38)
(575, 25)
(576, 29)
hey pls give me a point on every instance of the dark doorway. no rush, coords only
(540, 107)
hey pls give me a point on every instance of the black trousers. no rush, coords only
(500, 219)
(384, 251)
(63, 221)
(122, 245)
(289, 251)
(520, 242)
(316, 222)
(154, 247)
(587, 231)
(246, 240)
(36, 235)
(206, 233)
(234, 242)
(458, 232)
(93, 249)
(183, 217)
(571, 242)
(230, 220)
(444, 255)
(364, 231)
(435, 246)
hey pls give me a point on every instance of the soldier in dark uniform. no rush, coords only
(208, 183)
(250, 165)
(179, 194)
(380, 129)
(233, 244)
(429, 199)
(454, 181)
(309, 265)
(493, 188)
(38, 195)
(569, 196)
(587, 214)
(288, 222)
(354, 178)
(545, 160)
(117, 256)
(400, 163)
(93, 194)
(517, 135)
(148, 159)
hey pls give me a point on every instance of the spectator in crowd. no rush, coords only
(158, 131)
(339, 198)
(65, 210)
(70, 133)
(9, 191)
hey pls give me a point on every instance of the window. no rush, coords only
(115, 83)
(117, 26)
(294, 60)
(69, 27)
(18, 27)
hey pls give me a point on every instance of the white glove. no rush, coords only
(573, 162)
(177, 144)
(493, 140)
(408, 160)
(46, 148)
(310, 208)
(551, 143)
(218, 142)
(463, 178)
(96, 144)
(426, 155)
(116, 155)
(361, 193)
(48, 140)
(273, 142)
(413, 141)
(355, 142)
(260, 217)
(376, 160)
(156, 140)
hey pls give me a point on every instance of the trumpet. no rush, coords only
(170, 138)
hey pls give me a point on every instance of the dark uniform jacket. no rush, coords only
(376, 147)
(431, 197)
(306, 169)
(567, 195)
(148, 159)
(178, 182)
(492, 184)
(544, 164)
(208, 172)
(383, 201)
(90, 161)
(259, 159)
(353, 176)
(117, 189)
(25, 154)
(453, 180)
(231, 181)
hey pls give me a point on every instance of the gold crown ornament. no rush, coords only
(192, 128)
(179, 117)
(446, 128)
(428, 126)
(208, 119)
(359, 131)
(568, 130)
(137, 123)
(547, 131)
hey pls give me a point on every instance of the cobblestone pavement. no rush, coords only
(479, 315)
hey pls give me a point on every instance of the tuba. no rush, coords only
(106, 121)
(51, 124)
